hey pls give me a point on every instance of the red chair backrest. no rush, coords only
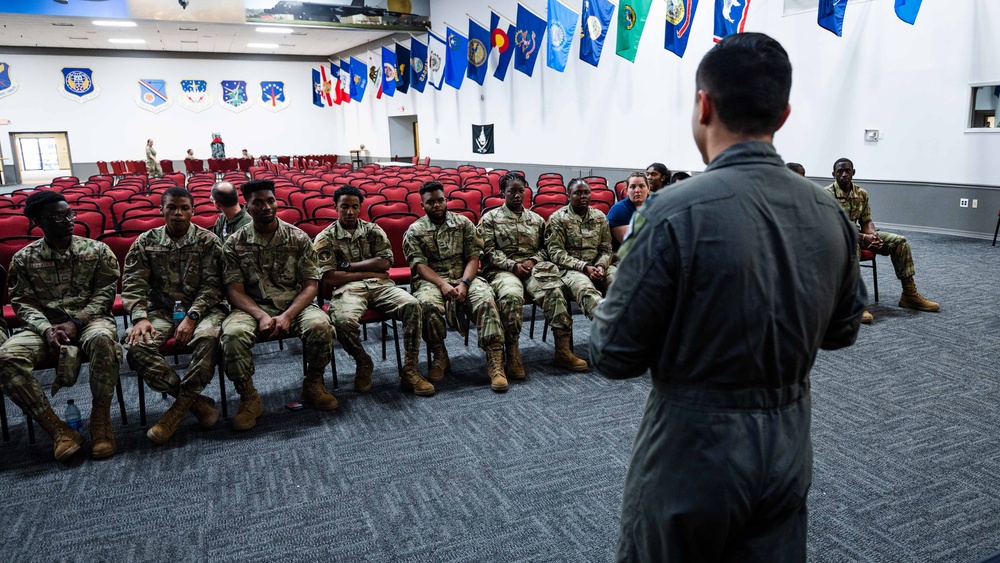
(551, 197)
(314, 226)
(471, 199)
(325, 212)
(467, 213)
(13, 224)
(386, 207)
(289, 214)
(395, 226)
(102, 167)
(141, 222)
(546, 209)
(550, 189)
(602, 194)
(205, 221)
(79, 229)
(397, 193)
(604, 206)
(95, 220)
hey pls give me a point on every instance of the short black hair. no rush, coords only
(510, 177)
(749, 78)
(661, 168)
(37, 200)
(348, 189)
(176, 191)
(249, 188)
(431, 186)
(678, 176)
(843, 159)
(572, 184)
(796, 167)
(224, 193)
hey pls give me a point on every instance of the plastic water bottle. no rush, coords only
(73, 416)
(179, 313)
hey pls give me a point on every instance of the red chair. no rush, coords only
(397, 193)
(603, 206)
(869, 256)
(102, 167)
(140, 210)
(413, 200)
(491, 201)
(546, 209)
(550, 189)
(205, 221)
(167, 166)
(559, 198)
(605, 195)
(119, 208)
(138, 167)
(141, 222)
(290, 214)
(120, 243)
(314, 226)
(79, 229)
(13, 225)
(244, 164)
(387, 207)
(10, 245)
(194, 165)
(549, 176)
(395, 226)
(467, 213)
(325, 212)
(596, 181)
(471, 199)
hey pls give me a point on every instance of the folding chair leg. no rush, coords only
(142, 401)
(222, 388)
(121, 402)
(395, 339)
(996, 232)
(531, 327)
(385, 334)
(333, 368)
(3, 419)
(875, 278)
(545, 329)
(31, 427)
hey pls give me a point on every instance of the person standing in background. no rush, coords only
(152, 166)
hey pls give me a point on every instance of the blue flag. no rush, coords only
(731, 16)
(418, 65)
(680, 16)
(402, 69)
(345, 81)
(527, 39)
(359, 79)
(456, 58)
(597, 16)
(503, 41)
(831, 15)
(907, 10)
(561, 27)
(388, 71)
(479, 51)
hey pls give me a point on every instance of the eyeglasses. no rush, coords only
(61, 217)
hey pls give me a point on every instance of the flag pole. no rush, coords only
(494, 10)
(567, 6)
(475, 20)
(530, 10)
(453, 28)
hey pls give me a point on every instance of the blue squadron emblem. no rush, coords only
(78, 84)
(194, 95)
(272, 95)
(234, 95)
(153, 95)
(7, 84)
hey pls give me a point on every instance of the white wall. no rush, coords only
(910, 82)
(112, 126)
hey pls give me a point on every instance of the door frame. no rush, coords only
(16, 148)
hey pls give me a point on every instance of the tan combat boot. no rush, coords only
(65, 440)
(363, 374)
(164, 428)
(250, 407)
(101, 436)
(913, 300)
(564, 353)
(512, 355)
(410, 378)
(203, 408)
(439, 364)
(867, 318)
(494, 368)
(315, 395)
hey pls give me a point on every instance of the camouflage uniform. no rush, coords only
(574, 242)
(510, 238)
(225, 227)
(160, 271)
(446, 249)
(350, 301)
(48, 287)
(855, 204)
(272, 274)
(152, 166)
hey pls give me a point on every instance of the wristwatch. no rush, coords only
(193, 315)
(345, 266)
(467, 282)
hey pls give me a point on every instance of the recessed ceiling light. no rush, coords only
(189, 41)
(187, 29)
(127, 41)
(59, 24)
(81, 38)
(113, 23)
(262, 45)
(281, 30)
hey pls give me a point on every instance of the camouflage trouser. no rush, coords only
(23, 351)
(898, 249)
(239, 334)
(153, 168)
(481, 307)
(350, 301)
(544, 286)
(585, 291)
(147, 361)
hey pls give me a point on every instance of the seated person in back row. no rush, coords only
(636, 192)
(232, 217)
(854, 200)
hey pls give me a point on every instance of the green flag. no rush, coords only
(631, 19)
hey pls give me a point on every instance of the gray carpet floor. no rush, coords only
(906, 455)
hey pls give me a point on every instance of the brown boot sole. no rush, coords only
(499, 388)
(99, 451)
(918, 307)
(157, 438)
(244, 427)
(364, 387)
(578, 369)
(68, 453)
(322, 407)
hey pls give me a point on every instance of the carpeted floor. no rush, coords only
(906, 455)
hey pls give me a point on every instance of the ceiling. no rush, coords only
(18, 30)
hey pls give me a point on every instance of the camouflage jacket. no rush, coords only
(160, 271)
(510, 238)
(225, 227)
(271, 272)
(574, 242)
(335, 244)
(445, 248)
(855, 202)
(48, 287)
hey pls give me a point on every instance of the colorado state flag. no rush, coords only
(831, 15)
(680, 16)
(597, 16)
(730, 17)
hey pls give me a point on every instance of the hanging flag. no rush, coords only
(359, 79)
(479, 52)
(388, 71)
(402, 69)
(331, 83)
(680, 16)
(907, 10)
(375, 75)
(596, 22)
(418, 65)
(457, 59)
(561, 27)
(829, 17)
(731, 16)
(345, 81)
(631, 19)
(527, 39)
(321, 88)
(502, 41)
(436, 49)
(482, 139)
